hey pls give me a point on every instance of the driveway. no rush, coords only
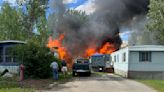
(103, 83)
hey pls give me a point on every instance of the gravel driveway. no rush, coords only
(104, 83)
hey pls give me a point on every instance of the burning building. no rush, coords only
(76, 34)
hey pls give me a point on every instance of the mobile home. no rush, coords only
(144, 61)
(7, 60)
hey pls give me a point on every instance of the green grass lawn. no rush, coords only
(8, 83)
(65, 78)
(13, 85)
(16, 90)
(156, 84)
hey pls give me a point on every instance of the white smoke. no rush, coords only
(89, 7)
(139, 34)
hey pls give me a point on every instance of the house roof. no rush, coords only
(146, 48)
(140, 48)
(12, 42)
(97, 54)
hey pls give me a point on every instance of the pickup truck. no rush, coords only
(81, 66)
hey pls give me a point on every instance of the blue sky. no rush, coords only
(71, 4)
(1, 2)
(78, 3)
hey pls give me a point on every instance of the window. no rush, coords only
(124, 57)
(97, 58)
(10, 56)
(117, 58)
(114, 58)
(145, 56)
(107, 58)
(1, 54)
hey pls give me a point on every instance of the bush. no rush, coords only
(36, 59)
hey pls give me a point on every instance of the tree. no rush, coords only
(18, 23)
(34, 15)
(11, 23)
(36, 58)
(156, 17)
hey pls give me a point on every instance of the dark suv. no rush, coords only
(81, 66)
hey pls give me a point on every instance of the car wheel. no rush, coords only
(73, 73)
(89, 74)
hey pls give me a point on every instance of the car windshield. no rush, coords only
(82, 61)
(84, 67)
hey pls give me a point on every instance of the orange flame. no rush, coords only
(107, 48)
(57, 43)
(90, 52)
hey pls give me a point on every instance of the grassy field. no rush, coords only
(16, 90)
(12, 85)
(65, 78)
(156, 84)
(8, 83)
(29, 85)
(100, 73)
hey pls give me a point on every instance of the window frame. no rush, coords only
(124, 57)
(9, 58)
(115, 58)
(145, 56)
(1, 54)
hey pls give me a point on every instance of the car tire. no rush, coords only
(73, 74)
(89, 74)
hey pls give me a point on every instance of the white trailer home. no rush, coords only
(144, 61)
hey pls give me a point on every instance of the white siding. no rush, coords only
(156, 64)
(12, 69)
(119, 64)
(146, 48)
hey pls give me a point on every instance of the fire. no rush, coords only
(57, 44)
(107, 48)
(90, 52)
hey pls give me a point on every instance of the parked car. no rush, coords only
(81, 67)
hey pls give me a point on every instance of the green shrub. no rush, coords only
(36, 59)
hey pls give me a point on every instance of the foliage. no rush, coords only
(34, 15)
(63, 78)
(35, 19)
(11, 23)
(156, 16)
(156, 84)
(8, 82)
(16, 90)
(36, 58)
(12, 85)
(19, 23)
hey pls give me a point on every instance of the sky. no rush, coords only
(83, 5)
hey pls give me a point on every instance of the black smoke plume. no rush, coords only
(101, 26)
